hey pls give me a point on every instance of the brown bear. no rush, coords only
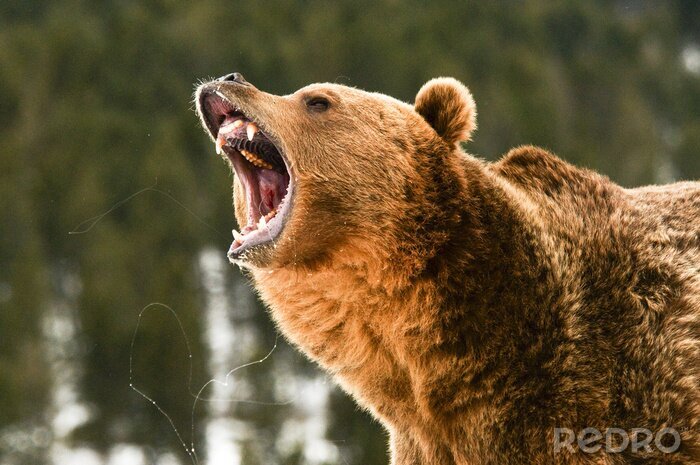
(519, 312)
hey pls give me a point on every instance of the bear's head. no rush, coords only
(330, 168)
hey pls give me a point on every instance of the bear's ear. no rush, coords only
(447, 105)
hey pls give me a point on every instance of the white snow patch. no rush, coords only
(690, 56)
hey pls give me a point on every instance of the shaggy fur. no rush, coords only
(473, 307)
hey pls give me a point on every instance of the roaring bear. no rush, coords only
(519, 312)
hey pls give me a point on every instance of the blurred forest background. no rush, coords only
(112, 197)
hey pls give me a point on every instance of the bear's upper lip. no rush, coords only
(261, 168)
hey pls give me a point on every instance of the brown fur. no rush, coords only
(470, 306)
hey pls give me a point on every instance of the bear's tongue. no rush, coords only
(265, 192)
(272, 187)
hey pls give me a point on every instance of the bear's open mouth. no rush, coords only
(261, 168)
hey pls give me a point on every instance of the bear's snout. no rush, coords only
(233, 77)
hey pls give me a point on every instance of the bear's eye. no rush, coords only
(318, 104)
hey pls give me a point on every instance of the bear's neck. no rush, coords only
(376, 321)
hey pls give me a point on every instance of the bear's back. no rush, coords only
(672, 209)
(613, 239)
(630, 259)
(582, 202)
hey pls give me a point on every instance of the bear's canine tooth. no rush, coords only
(250, 130)
(237, 124)
(220, 142)
(237, 236)
(262, 223)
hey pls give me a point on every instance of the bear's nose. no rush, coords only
(234, 77)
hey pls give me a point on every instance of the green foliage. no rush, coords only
(96, 106)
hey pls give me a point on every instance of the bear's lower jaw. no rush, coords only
(261, 169)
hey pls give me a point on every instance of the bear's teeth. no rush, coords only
(251, 130)
(237, 236)
(262, 223)
(230, 127)
(255, 160)
(271, 215)
(220, 142)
